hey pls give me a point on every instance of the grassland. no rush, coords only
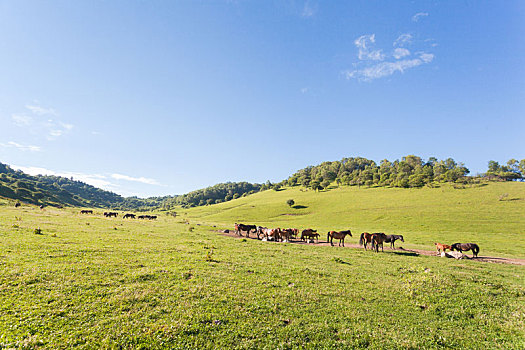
(492, 215)
(93, 282)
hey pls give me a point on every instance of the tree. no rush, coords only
(316, 185)
(290, 202)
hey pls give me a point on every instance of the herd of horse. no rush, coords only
(110, 214)
(375, 240)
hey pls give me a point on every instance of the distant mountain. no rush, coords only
(61, 191)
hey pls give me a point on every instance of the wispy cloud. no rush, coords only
(21, 119)
(135, 179)
(384, 69)
(400, 52)
(365, 43)
(42, 121)
(399, 60)
(309, 9)
(12, 144)
(39, 110)
(419, 15)
(403, 40)
(304, 90)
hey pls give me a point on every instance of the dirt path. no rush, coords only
(399, 250)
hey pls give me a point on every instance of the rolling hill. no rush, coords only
(490, 214)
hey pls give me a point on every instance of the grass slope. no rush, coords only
(93, 282)
(423, 216)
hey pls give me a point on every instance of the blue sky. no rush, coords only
(163, 97)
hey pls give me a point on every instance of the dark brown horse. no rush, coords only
(377, 240)
(392, 238)
(365, 238)
(86, 212)
(128, 215)
(464, 247)
(110, 214)
(287, 234)
(340, 235)
(241, 227)
(309, 234)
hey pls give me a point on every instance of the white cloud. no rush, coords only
(39, 110)
(21, 120)
(384, 69)
(96, 180)
(426, 57)
(419, 15)
(12, 144)
(400, 52)
(42, 121)
(403, 39)
(364, 44)
(308, 10)
(304, 90)
(135, 179)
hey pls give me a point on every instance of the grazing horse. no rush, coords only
(268, 232)
(86, 212)
(293, 232)
(152, 217)
(17, 204)
(377, 239)
(337, 235)
(309, 234)
(287, 234)
(442, 247)
(365, 239)
(241, 227)
(128, 215)
(110, 214)
(463, 247)
(392, 238)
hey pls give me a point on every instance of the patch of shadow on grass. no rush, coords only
(406, 253)
(340, 261)
(299, 206)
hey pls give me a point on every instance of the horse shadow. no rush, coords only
(299, 207)
(405, 253)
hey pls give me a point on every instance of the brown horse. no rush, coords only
(287, 234)
(442, 247)
(293, 232)
(463, 247)
(274, 233)
(337, 235)
(241, 227)
(377, 239)
(365, 239)
(86, 212)
(128, 215)
(309, 234)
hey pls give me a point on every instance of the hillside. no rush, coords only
(61, 191)
(490, 214)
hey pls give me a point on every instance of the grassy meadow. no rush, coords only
(490, 214)
(92, 282)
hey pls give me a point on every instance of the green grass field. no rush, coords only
(93, 282)
(423, 216)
